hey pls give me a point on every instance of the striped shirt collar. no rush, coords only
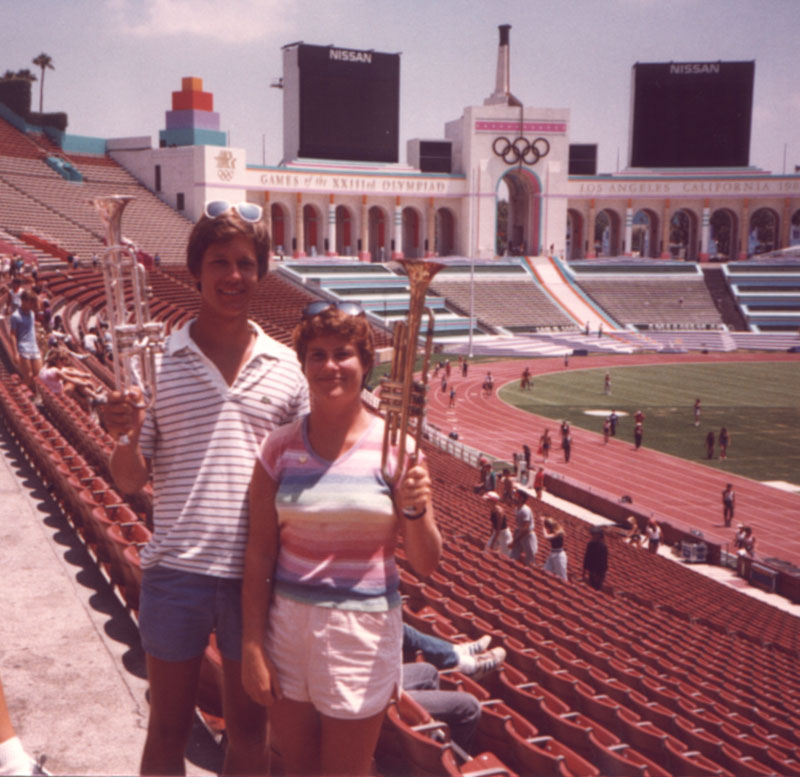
(181, 340)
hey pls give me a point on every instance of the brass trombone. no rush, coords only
(403, 398)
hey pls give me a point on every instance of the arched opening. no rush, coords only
(683, 235)
(574, 247)
(412, 244)
(606, 233)
(344, 231)
(794, 229)
(445, 232)
(279, 220)
(376, 237)
(312, 237)
(763, 235)
(722, 235)
(523, 217)
(644, 234)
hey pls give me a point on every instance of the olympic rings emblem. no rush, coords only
(520, 149)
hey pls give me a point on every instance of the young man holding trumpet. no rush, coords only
(221, 385)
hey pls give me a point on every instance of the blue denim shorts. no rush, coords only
(179, 610)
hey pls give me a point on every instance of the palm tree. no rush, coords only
(43, 61)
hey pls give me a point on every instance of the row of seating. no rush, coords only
(499, 303)
(594, 713)
(109, 527)
(658, 301)
(651, 581)
(561, 620)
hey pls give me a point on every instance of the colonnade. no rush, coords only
(372, 230)
(735, 229)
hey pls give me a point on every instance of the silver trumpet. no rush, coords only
(135, 338)
(402, 397)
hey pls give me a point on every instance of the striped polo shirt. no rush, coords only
(202, 438)
(336, 519)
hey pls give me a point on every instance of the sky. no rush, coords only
(118, 61)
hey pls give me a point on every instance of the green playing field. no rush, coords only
(758, 402)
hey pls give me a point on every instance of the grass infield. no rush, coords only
(756, 401)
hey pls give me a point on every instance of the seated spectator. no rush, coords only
(91, 343)
(58, 336)
(633, 536)
(748, 543)
(470, 658)
(461, 711)
(58, 376)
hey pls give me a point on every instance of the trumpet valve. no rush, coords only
(391, 395)
(417, 398)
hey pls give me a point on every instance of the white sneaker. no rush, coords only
(474, 648)
(488, 662)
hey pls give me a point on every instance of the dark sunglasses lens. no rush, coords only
(313, 308)
(350, 308)
(249, 211)
(217, 208)
(318, 306)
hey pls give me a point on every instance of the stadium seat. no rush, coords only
(619, 758)
(742, 765)
(483, 765)
(132, 573)
(546, 756)
(423, 740)
(680, 760)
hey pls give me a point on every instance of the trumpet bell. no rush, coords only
(403, 398)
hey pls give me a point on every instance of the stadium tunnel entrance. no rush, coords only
(524, 212)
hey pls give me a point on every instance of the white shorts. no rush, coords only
(29, 351)
(347, 663)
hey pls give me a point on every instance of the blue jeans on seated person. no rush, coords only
(459, 709)
(438, 652)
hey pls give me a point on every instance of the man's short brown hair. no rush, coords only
(224, 227)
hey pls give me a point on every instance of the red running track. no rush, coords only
(682, 493)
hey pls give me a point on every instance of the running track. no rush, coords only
(682, 493)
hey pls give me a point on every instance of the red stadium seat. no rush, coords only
(680, 760)
(543, 755)
(483, 765)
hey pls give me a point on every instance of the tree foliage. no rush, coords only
(45, 62)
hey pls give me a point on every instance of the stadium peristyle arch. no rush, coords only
(524, 210)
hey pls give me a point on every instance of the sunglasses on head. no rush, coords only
(319, 305)
(248, 211)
